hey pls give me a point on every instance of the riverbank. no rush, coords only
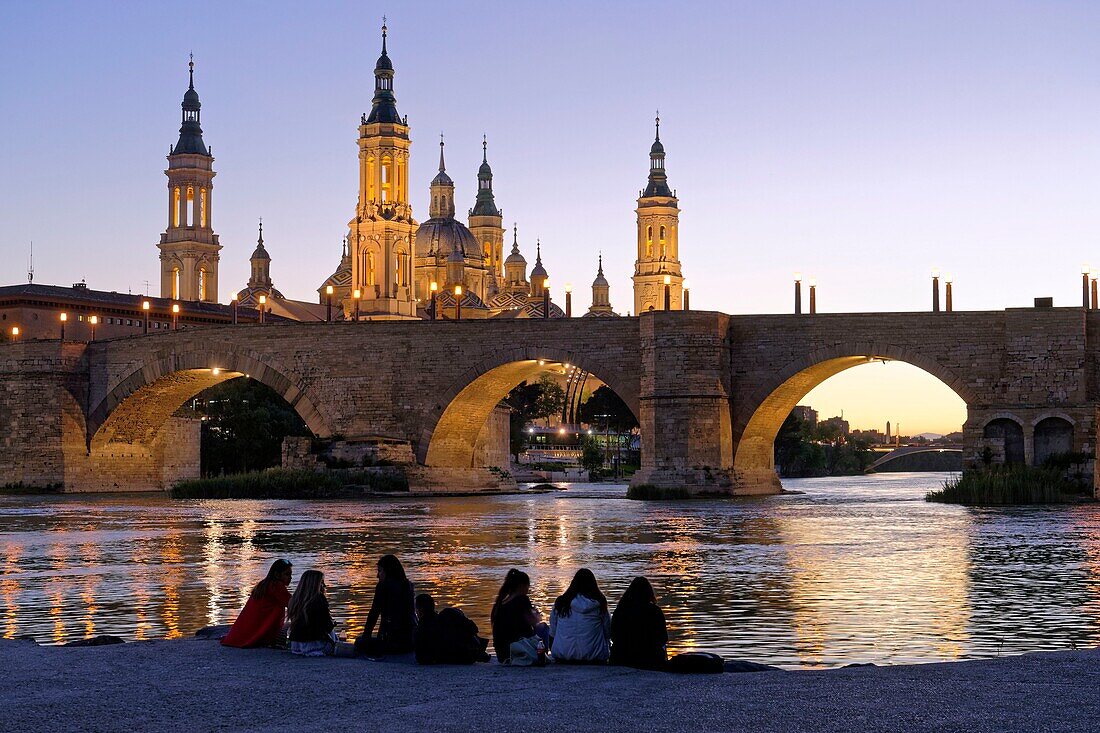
(197, 685)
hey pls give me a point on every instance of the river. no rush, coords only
(848, 570)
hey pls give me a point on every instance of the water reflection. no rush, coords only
(852, 570)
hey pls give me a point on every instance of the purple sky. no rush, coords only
(859, 142)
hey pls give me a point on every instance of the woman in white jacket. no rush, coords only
(580, 626)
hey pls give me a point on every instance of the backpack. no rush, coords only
(525, 653)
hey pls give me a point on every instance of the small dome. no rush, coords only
(444, 235)
(538, 270)
(515, 259)
(260, 253)
(191, 100)
(484, 172)
(600, 281)
(442, 179)
(384, 63)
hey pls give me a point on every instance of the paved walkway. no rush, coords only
(193, 685)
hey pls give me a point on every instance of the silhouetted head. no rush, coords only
(425, 606)
(390, 568)
(516, 583)
(638, 593)
(310, 586)
(280, 572)
(583, 584)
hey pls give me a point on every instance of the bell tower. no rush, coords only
(487, 223)
(189, 247)
(381, 234)
(658, 238)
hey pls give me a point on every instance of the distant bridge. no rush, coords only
(898, 457)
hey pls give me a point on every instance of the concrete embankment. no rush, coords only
(195, 685)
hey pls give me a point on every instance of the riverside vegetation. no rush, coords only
(282, 483)
(1060, 480)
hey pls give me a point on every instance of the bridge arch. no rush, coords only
(463, 409)
(137, 407)
(758, 418)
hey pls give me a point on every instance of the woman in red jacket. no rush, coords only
(261, 621)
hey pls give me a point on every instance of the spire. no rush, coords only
(538, 270)
(384, 104)
(190, 140)
(599, 273)
(344, 255)
(486, 204)
(658, 179)
(442, 167)
(442, 190)
(260, 252)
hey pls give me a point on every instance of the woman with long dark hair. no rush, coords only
(639, 636)
(514, 617)
(580, 626)
(311, 621)
(392, 609)
(261, 621)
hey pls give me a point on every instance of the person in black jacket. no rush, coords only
(447, 637)
(638, 632)
(311, 622)
(392, 610)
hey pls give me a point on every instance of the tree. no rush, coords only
(605, 402)
(244, 423)
(591, 456)
(551, 398)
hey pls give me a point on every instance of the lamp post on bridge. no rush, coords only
(175, 316)
(64, 317)
(813, 295)
(15, 333)
(947, 291)
(356, 295)
(798, 293)
(1092, 275)
(458, 302)
(93, 320)
(234, 303)
(328, 304)
(935, 290)
(668, 292)
(1085, 286)
(546, 298)
(263, 307)
(687, 296)
(434, 288)
(568, 300)
(145, 305)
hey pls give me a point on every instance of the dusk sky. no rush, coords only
(862, 143)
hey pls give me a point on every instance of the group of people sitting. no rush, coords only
(581, 628)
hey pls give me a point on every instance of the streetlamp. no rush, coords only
(263, 307)
(947, 291)
(687, 296)
(64, 317)
(234, 310)
(568, 300)
(434, 288)
(1085, 286)
(357, 294)
(93, 320)
(145, 312)
(668, 292)
(328, 303)
(458, 302)
(798, 293)
(546, 298)
(15, 333)
(175, 316)
(935, 290)
(812, 282)
(1092, 275)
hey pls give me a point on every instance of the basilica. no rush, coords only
(393, 267)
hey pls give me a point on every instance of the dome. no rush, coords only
(191, 100)
(442, 179)
(657, 148)
(600, 281)
(445, 235)
(260, 253)
(515, 259)
(538, 270)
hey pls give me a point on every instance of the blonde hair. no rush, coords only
(310, 585)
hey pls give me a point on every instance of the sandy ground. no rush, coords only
(197, 685)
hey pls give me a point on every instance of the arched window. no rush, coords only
(649, 241)
(370, 268)
(190, 209)
(1012, 435)
(176, 206)
(175, 283)
(202, 283)
(387, 177)
(663, 248)
(1053, 437)
(202, 207)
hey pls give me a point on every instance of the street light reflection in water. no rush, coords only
(852, 570)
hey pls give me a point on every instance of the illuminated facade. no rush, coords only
(189, 247)
(658, 260)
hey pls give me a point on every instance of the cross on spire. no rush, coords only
(441, 166)
(484, 149)
(191, 70)
(658, 124)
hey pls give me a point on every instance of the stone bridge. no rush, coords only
(710, 390)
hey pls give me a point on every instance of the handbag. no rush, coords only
(524, 653)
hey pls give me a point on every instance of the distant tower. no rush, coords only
(515, 268)
(887, 431)
(658, 238)
(381, 234)
(487, 223)
(261, 265)
(538, 273)
(601, 294)
(189, 247)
